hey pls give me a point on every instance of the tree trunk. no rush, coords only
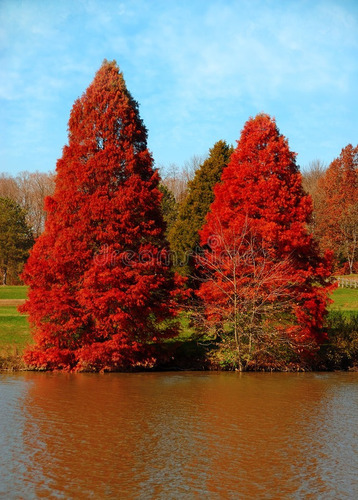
(4, 275)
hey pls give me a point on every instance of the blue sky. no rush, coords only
(199, 69)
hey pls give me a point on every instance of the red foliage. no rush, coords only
(257, 241)
(337, 210)
(100, 282)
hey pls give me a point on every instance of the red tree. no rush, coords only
(337, 210)
(259, 253)
(100, 284)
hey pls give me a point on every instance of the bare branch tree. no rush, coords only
(177, 178)
(8, 187)
(311, 176)
(29, 190)
(33, 188)
(248, 294)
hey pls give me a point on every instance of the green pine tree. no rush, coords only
(15, 238)
(169, 207)
(183, 235)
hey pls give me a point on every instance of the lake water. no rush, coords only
(179, 436)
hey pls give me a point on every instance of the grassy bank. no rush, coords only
(345, 300)
(13, 292)
(14, 328)
(15, 332)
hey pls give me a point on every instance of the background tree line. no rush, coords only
(187, 194)
(22, 218)
(334, 191)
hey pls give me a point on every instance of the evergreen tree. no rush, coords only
(184, 234)
(169, 207)
(100, 284)
(259, 254)
(15, 237)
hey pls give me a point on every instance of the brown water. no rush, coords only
(179, 436)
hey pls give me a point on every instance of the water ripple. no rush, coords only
(179, 436)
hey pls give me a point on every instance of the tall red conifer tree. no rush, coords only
(258, 249)
(99, 283)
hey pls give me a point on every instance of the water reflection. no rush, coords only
(187, 435)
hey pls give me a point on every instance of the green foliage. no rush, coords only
(341, 350)
(169, 207)
(15, 238)
(184, 236)
(269, 355)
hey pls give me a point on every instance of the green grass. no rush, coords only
(14, 328)
(345, 300)
(14, 333)
(13, 292)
